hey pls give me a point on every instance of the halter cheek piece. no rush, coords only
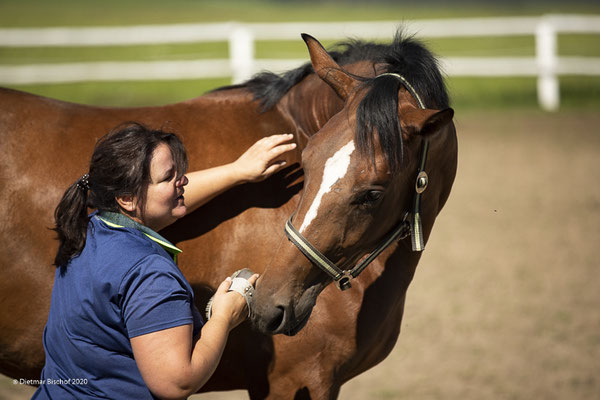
(410, 224)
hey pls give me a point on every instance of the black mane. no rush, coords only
(268, 88)
(377, 112)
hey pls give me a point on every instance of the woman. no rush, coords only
(122, 321)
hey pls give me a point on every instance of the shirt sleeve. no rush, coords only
(154, 297)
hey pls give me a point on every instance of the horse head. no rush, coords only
(376, 174)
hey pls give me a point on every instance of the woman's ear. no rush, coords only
(127, 203)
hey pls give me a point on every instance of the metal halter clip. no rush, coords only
(343, 282)
(421, 182)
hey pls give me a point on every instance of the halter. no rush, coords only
(410, 224)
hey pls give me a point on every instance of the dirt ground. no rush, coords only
(506, 300)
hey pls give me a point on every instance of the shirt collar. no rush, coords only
(118, 220)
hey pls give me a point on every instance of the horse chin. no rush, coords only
(298, 325)
(285, 317)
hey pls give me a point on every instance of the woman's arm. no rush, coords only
(257, 163)
(172, 364)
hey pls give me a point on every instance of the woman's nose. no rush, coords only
(182, 181)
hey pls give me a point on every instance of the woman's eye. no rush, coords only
(169, 176)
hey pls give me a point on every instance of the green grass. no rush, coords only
(519, 46)
(467, 93)
(118, 12)
(579, 45)
(193, 51)
(480, 93)
(126, 94)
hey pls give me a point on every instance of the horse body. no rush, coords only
(46, 146)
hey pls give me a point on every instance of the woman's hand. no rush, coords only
(257, 163)
(231, 306)
(260, 160)
(172, 364)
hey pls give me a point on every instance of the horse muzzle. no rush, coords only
(277, 311)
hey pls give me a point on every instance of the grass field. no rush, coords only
(117, 12)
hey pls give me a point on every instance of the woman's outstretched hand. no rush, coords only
(257, 163)
(261, 160)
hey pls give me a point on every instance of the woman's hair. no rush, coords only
(120, 166)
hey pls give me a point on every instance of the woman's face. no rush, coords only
(164, 200)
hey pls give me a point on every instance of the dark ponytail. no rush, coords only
(120, 166)
(71, 216)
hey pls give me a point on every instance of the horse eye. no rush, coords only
(370, 198)
(373, 195)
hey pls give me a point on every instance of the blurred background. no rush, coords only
(505, 302)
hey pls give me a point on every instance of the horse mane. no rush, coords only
(377, 112)
(268, 87)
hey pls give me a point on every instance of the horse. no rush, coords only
(364, 130)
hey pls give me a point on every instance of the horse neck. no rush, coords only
(309, 105)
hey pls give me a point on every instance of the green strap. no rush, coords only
(341, 277)
(117, 220)
(311, 252)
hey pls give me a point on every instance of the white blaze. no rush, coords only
(335, 169)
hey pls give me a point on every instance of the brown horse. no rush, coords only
(360, 144)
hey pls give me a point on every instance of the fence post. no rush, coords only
(241, 53)
(546, 57)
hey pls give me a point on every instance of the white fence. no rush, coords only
(546, 65)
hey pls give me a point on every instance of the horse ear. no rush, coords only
(327, 69)
(426, 122)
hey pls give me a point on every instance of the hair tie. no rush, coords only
(84, 182)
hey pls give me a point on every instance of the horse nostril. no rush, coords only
(276, 319)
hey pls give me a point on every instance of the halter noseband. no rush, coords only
(410, 224)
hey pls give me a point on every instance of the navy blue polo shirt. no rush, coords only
(124, 283)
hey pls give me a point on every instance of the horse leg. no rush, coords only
(303, 384)
(306, 366)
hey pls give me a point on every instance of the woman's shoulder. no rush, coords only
(115, 235)
(125, 247)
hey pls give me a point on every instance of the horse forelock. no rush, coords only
(377, 112)
(410, 58)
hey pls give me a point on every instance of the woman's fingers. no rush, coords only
(253, 279)
(271, 169)
(280, 149)
(224, 286)
(277, 148)
(261, 159)
(275, 140)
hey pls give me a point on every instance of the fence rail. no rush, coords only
(546, 65)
